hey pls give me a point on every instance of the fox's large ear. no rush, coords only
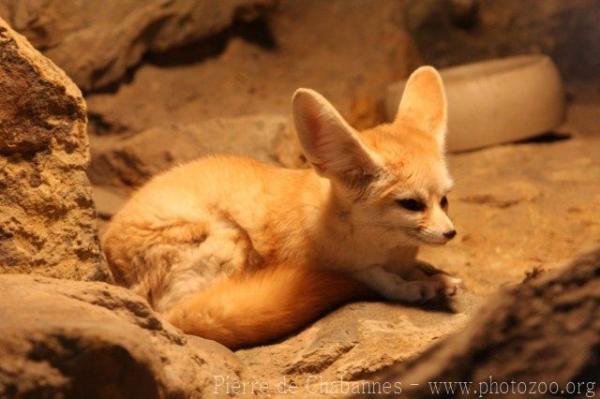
(424, 104)
(330, 144)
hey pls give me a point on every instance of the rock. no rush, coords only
(349, 50)
(47, 223)
(93, 340)
(97, 41)
(582, 115)
(107, 201)
(546, 331)
(450, 34)
(354, 342)
(132, 160)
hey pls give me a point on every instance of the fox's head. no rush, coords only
(391, 179)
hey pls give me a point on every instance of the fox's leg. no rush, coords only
(394, 287)
(166, 262)
(227, 250)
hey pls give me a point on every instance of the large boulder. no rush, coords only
(47, 223)
(73, 339)
(541, 337)
(97, 41)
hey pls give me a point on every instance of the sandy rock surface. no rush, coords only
(132, 160)
(519, 208)
(93, 340)
(353, 343)
(97, 41)
(303, 44)
(47, 218)
(545, 331)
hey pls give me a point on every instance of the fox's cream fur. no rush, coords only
(241, 252)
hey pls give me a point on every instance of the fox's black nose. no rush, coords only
(450, 234)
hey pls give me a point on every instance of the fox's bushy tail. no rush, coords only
(261, 306)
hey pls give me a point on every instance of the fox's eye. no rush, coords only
(411, 204)
(444, 202)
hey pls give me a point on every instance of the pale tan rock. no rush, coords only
(117, 160)
(107, 200)
(97, 41)
(348, 50)
(354, 342)
(47, 222)
(93, 340)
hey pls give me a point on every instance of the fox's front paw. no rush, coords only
(446, 285)
(438, 285)
(395, 288)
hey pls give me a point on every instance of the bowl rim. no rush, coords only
(491, 67)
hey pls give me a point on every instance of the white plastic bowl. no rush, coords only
(497, 101)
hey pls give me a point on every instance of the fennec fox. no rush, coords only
(242, 252)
